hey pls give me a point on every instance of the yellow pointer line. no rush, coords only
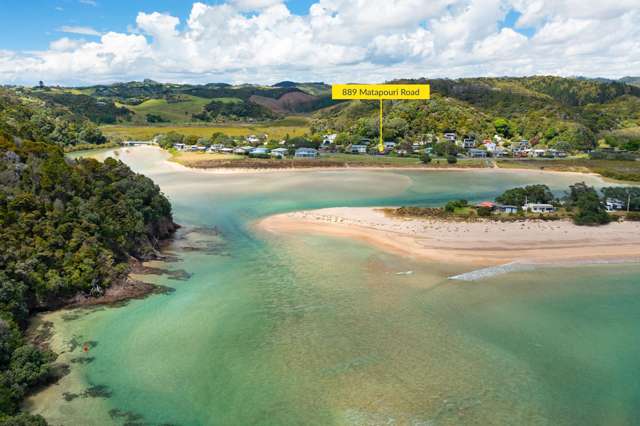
(381, 144)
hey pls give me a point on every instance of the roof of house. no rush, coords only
(486, 204)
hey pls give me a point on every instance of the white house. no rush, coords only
(450, 137)
(329, 139)
(279, 152)
(613, 204)
(505, 208)
(252, 139)
(537, 153)
(538, 208)
(306, 153)
(242, 150)
(389, 145)
(491, 146)
(358, 149)
(477, 153)
(259, 152)
(468, 143)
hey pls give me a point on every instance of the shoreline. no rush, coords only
(478, 244)
(351, 167)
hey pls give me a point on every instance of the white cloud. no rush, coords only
(79, 30)
(89, 2)
(346, 40)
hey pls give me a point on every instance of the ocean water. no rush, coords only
(308, 330)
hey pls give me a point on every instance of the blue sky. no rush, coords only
(79, 42)
(32, 24)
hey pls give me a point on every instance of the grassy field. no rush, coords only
(175, 112)
(614, 169)
(275, 130)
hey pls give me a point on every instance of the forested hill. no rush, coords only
(66, 227)
(32, 118)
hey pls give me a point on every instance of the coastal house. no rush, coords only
(179, 146)
(491, 146)
(329, 139)
(505, 208)
(613, 204)
(537, 153)
(252, 139)
(389, 145)
(306, 153)
(259, 152)
(555, 153)
(538, 208)
(279, 152)
(500, 152)
(215, 147)
(487, 204)
(477, 153)
(242, 150)
(468, 143)
(226, 150)
(450, 136)
(358, 149)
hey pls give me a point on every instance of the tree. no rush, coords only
(444, 149)
(503, 127)
(530, 193)
(425, 158)
(451, 206)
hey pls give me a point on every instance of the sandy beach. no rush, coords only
(483, 243)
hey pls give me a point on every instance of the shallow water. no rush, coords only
(314, 330)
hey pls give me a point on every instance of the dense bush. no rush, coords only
(451, 206)
(530, 193)
(66, 227)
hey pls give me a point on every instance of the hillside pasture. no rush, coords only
(274, 130)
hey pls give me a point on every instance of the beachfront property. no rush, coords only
(179, 146)
(242, 150)
(613, 204)
(487, 204)
(279, 152)
(505, 208)
(358, 149)
(306, 153)
(389, 146)
(252, 139)
(259, 152)
(468, 143)
(329, 139)
(538, 208)
(477, 153)
(521, 149)
(450, 136)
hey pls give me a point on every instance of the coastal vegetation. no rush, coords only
(67, 228)
(580, 203)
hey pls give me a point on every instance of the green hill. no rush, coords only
(544, 109)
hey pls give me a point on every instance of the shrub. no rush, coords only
(484, 211)
(634, 216)
(425, 158)
(451, 206)
(452, 159)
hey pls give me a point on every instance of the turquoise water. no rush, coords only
(313, 330)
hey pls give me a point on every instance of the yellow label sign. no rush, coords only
(380, 91)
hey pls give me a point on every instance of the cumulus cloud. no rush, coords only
(346, 40)
(79, 30)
